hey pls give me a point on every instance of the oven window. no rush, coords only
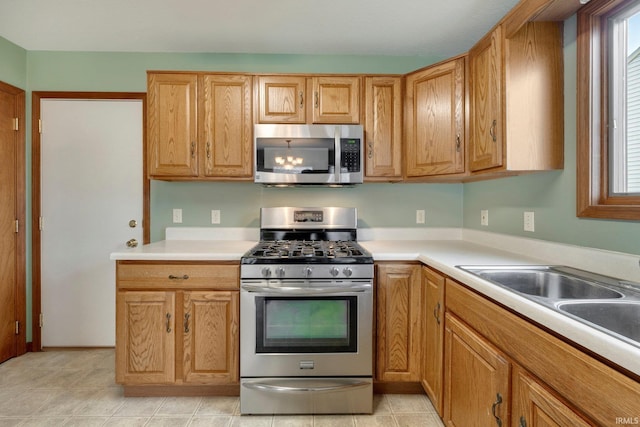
(306, 324)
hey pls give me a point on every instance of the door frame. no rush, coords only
(36, 207)
(21, 200)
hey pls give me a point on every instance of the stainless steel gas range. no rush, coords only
(306, 315)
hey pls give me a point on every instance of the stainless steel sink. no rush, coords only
(605, 303)
(546, 283)
(620, 317)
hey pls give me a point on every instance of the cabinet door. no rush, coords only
(145, 337)
(173, 124)
(433, 333)
(383, 127)
(336, 99)
(282, 99)
(211, 341)
(476, 379)
(535, 406)
(227, 126)
(435, 120)
(486, 142)
(399, 342)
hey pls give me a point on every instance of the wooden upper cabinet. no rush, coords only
(383, 128)
(486, 105)
(399, 343)
(435, 120)
(227, 126)
(308, 99)
(282, 99)
(200, 126)
(173, 125)
(517, 106)
(336, 99)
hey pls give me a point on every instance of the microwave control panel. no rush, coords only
(350, 155)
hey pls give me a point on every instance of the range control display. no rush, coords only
(308, 216)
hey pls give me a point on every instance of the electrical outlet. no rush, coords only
(484, 217)
(420, 216)
(215, 216)
(177, 216)
(529, 221)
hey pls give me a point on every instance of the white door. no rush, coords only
(91, 156)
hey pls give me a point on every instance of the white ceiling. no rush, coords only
(440, 28)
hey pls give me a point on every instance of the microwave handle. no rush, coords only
(338, 155)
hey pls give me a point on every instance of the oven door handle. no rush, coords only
(285, 387)
(307, 291)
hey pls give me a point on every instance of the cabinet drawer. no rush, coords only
(177, 275)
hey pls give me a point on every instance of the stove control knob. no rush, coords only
(347, 271)
(266, 272)
(334, 271)
(280, 272)
(306, 272)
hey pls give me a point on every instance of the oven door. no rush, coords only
(294, 329)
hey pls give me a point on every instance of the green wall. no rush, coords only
(551, 195)
(13, 64)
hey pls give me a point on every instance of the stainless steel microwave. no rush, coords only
(308, 154)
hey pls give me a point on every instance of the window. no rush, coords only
(609, 109)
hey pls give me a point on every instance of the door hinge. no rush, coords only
(17, 226)
(15, 124)
(40, 223)
(17, 327)
(41, 320)
(39, 125)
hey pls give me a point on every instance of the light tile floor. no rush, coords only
(77, 388)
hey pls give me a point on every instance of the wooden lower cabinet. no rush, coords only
(145, 337)
(210, 327)
(536, 406)
(398, 318)
(174, 335)
(476, 378)
(433, 285)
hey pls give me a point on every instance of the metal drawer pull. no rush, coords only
(168, 323)
(287, 388)
(186, 323)
(436, 312)
(184, 277)
(494, 407)
(523, 422)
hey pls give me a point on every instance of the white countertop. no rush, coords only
(443, 251)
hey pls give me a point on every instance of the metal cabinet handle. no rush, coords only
(494, 407)
(457, 143)
(193, 149)
(301, 100)
(370, 153)
(183, 277)
(186, 323)
(208, 150)
(132, 243)
(168, 323)
(316, 101)
(523, 422)
(492, 130)
(436, 312)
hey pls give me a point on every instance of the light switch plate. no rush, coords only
(215, 216)
(420, 216)
(484, 217)
(177, 216)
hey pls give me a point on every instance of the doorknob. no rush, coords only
(132, 243)
(133, 223)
